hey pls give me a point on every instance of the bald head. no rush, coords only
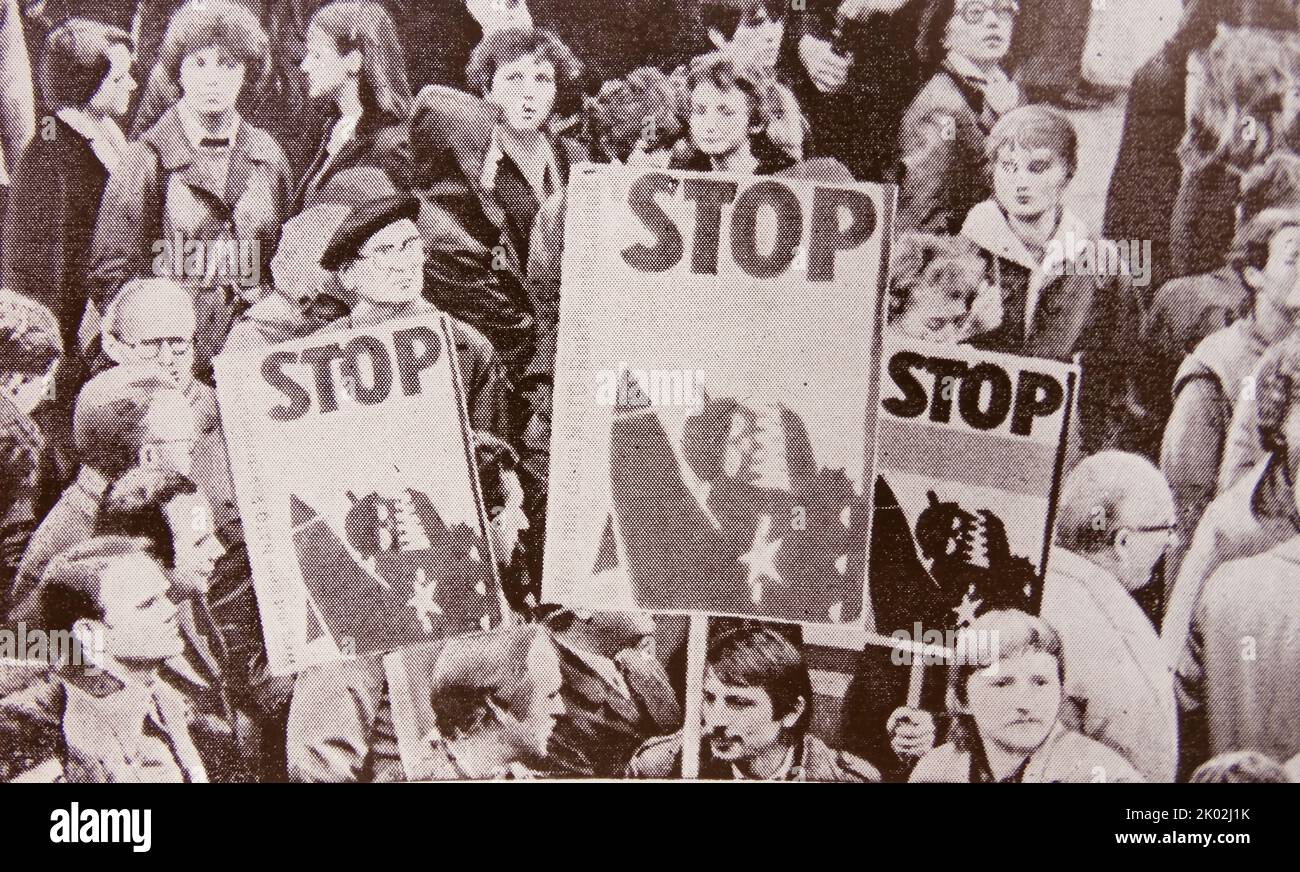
(151, 309)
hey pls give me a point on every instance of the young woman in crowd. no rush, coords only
(484, 164)
(1266, 252)
(938, 291)
(739, 121)
(355, 62)
(1056, 304)
(201, 174)
(941, 140)
(86, 82)
(1004, 696)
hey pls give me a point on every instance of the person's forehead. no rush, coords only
(514, 489)
(192, 512)
(533, 61)
(1020, 152)
(1286, 235)
(392, 234)
(130, 581)
(156, 314)
(1024, 663)
(119, 55)
(720, 688)
(708, 91)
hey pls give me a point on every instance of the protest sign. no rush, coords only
(353, 467)
(714, 397)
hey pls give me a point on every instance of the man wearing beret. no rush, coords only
(378, 256)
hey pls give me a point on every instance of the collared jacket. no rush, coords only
(1118, 686)
(1089, 319)
(383, 145)
(476, 236)
(160, 195)
(1066, 757)
(1239, 674)
(813, 761)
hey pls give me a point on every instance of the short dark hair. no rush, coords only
(509, 44)
(726, 16)
(760, 657)
(108, 425)
(494, 458)
(74, 62)
(473, 669)
(135, 506)
(225, 24)
(70, 587)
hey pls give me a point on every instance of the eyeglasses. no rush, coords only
(151, 348)
(1170, 530)
(973, 12)
(405, 247)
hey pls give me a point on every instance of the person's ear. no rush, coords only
(114, 348)
(354, 60)
(89, 635)
(795, 714)
(1253, 276)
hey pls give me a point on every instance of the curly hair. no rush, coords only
(224, 24)
(644, 106)
(950, 263)
(773, 109)
(502, 47)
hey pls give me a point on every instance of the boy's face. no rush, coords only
(113, 99)
(1029, 182)
(1015, 701)
(719, 119)
(26, 390)
(525, 89)
(211, 81)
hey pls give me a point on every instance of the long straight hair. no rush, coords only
(366, 27)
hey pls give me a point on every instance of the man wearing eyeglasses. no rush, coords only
(378, 255)
(1116, 520)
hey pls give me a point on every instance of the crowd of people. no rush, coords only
(187, 179)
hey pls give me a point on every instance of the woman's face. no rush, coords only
(980, 30)
(113, 99)
(1015, 701)
(1029, 182)
(211, 81)
(525, 89)
(934, 313)
(326, 69)
(758, 40)
(719, 119)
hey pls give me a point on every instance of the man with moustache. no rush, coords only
(757, 705)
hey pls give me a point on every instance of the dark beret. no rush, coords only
(364, 221)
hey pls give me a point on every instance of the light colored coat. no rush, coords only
(1118, 685)
(1066, 757)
